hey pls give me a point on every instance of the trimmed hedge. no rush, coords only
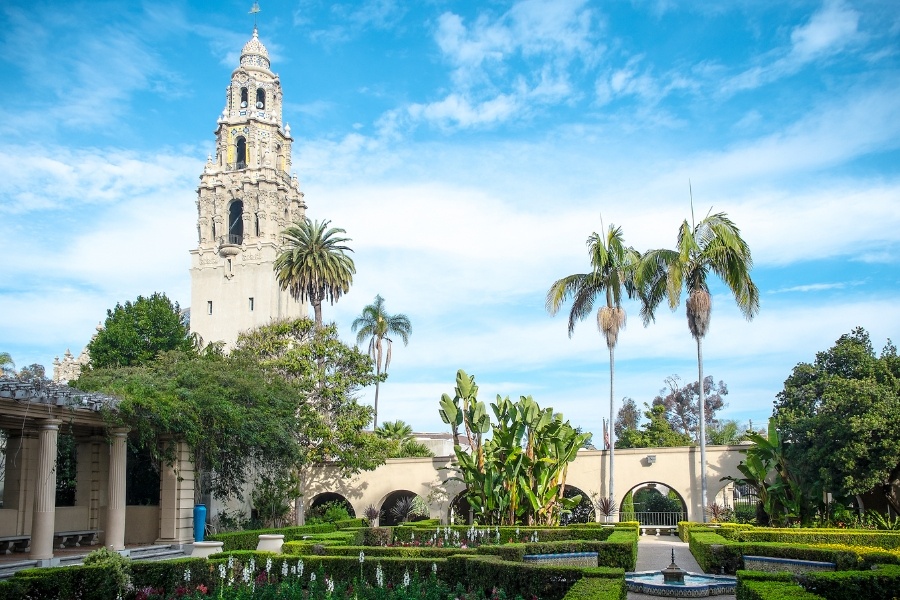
(881, 583)
(247, 540)
(597, 588)
(715, 553)
(91, 582)
(772, 590)
(889, 540)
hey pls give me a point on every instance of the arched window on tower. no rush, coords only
(260, 98)
(236, 222)
(244, 97)
(257, 225)
(241, 153)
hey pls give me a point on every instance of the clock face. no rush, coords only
(234, 132)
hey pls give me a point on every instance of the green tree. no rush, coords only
(7, 366)
(326, 374)
(519, 474)
(136, 332)
(236, 419)
(682, 403)
(376, 325)
(611, 277)
(840, 414)
(656, 432)
(402, 443)
(714, 245)
(314, 264)
(726, 433)
(628, 417)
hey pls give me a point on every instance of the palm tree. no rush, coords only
(712, 245)
(613, 267)
(314, 265)
(376, 324)
(398, 430)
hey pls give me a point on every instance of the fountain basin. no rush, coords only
(695, 585)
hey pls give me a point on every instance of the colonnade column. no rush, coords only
(115, 514)
(43, 518)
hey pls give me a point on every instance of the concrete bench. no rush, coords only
(74, 539)
(791, 565)
(14, 543)
(659, 529)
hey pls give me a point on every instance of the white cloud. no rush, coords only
(829, 31)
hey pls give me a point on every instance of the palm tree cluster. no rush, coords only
(712, 246)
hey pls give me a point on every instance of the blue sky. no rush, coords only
(469, 149)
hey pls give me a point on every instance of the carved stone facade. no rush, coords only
(246, 198)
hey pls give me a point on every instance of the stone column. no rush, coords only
(45, 491)
(115, 514)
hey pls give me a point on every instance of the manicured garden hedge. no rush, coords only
(485, 566)
(882, 583)
(247, 540)
(889, 540)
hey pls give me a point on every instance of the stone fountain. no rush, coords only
(675, 582)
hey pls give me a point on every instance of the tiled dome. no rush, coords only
(254, 53)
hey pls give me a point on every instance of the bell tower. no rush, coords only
(246, 198)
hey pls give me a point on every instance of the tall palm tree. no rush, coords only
(314, 265)
(714, 245)
(376, 324)
(613, 267)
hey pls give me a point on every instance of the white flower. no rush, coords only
(329, 585)
(379, 576)
(268, 565)
(221, 571)
(312, 577)
(362, 557)
(187, 575)
(406, 578)
(284, 568)
(300, 567)
(252, 565)
(246, 574)
(434, 568)
(230, 562)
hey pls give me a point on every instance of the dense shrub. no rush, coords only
(881, 583)
(888, 540)
(772, 590)
(247, 540)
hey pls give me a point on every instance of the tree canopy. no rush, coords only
(136, 332)
(235, 416)
(682, 403)
(314, 264)
(656, 432)
(840, 415)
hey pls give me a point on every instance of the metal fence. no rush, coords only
(665, 519)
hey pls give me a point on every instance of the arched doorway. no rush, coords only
(460, 511)
(583, 512)
(329, 507)
(402, 506)
(653, 503)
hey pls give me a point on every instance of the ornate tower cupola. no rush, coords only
(246, 198)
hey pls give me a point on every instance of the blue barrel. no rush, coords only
(199, 522)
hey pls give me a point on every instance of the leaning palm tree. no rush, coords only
(613, 267)
(714, 245)
(314, 265)
(376, 324)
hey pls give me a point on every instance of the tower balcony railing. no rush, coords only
(232, 239)
(236, 166)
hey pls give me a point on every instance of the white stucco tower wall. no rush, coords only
(246, 198)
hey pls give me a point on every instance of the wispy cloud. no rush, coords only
(348, 20)
(817, 287)
(829, 31)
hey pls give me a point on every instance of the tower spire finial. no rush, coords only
(254, 10)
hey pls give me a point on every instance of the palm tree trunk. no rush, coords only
(375, 423)
(317, 310)
(703, 489)
(612, 432)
